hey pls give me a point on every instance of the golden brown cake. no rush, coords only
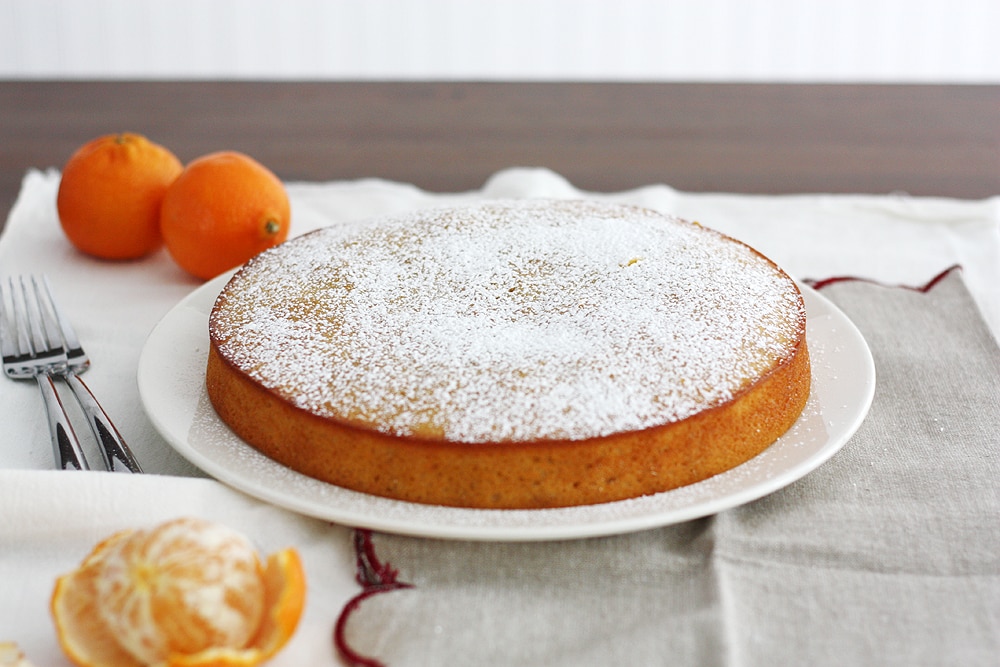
(512, 354)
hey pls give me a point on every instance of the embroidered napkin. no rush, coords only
(889, 554)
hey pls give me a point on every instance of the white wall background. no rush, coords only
(641, 40)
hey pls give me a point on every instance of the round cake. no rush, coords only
(510, 354)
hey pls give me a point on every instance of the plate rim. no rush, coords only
(149, 367)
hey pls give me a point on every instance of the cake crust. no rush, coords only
(534, 459)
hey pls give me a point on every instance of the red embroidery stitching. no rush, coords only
(820, 284)
(375, 577)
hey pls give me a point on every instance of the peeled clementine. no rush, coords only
(187, 593)
(110, 194)
(222, 210)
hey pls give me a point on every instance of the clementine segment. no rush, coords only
(110, 194)
(188, 593)
(222, 210)
(84, 638)
(285, 593)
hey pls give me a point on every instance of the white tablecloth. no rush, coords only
(49, 520)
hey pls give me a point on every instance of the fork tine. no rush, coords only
(23, 312)
(44, 329)
(49, 319)
(69, 337)
(19, 325)
(8, 334)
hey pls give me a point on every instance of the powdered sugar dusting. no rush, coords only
(509, 321)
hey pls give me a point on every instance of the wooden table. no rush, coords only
(751, 138)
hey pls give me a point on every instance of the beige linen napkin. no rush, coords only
(889, 554)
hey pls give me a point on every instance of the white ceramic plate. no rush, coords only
(172, 387)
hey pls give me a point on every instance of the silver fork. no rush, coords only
(32, 350)
(116, 453)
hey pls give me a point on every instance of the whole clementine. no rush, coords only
(222, 210)
(110, 193)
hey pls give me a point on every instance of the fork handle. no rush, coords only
(117, 455)
(65, 445)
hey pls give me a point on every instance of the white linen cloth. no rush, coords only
(49, 520)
